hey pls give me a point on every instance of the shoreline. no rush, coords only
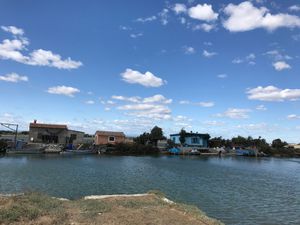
(128, 209)
(156, 154)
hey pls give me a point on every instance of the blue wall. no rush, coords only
(191, 141)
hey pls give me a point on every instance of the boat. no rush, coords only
(79, 152)
(245, 152)
(22, 151)
(174, 151)
(32, 148)
(54, 148)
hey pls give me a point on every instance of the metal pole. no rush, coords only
(8, 126)
(16, 134)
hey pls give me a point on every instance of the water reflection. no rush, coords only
(225, 187)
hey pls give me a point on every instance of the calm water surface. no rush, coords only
(234, 190)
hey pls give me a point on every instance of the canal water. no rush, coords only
(235, 190)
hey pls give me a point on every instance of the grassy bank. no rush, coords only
(34, 208)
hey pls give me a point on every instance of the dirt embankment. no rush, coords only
(33, 208)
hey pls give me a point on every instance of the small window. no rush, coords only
(111, 139)
(73, 136)
(195, 140)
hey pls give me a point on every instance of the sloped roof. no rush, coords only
(110, 133)
(192, 135)
(49, 126)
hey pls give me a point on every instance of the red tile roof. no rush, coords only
(43, 125)
(110, 133)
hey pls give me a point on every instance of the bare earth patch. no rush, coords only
(145, 209)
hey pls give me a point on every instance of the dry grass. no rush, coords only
(36, 208)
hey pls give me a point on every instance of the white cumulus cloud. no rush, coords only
(272, 93)
(261, 108)
(13, 30)
(147, 19)
(90, 102)
(13, 77)
(293, 117)
(184, 102)
(63, 90)
(203, 12)
(235, 113)
(188, 50)
(205, 104)
(208, 54)
(281, 65)
(179, 8)
(222, 76)
(134, 99)
(13, 50)
(148, 79)
(245, 16)
(277, 55)
(136, 35)
(160, 99)
(42, 57)
(153, 107)
(205, 27)
(157, 99)
(202, 104)
(295, 8)
(213, 123)
(144, 110)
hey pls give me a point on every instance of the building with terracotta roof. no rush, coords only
(54, 133)
(109, 137)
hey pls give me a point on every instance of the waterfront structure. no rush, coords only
(246, 152)
(295, 146)
(162, 144)
(109, 137)
(192, 139)
(54, 133)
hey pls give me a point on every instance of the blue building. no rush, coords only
(192, 139)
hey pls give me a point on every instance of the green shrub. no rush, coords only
(134, 149)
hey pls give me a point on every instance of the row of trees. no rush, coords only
(153, 137)
(248, 142)
(260, 143)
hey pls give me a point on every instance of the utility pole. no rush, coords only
(15, 129)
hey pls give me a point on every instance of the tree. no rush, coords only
(182, 136)
(171, 143)
(156, 135)
(216, 142)
(239, 141)
(143, 139)
(278, 144)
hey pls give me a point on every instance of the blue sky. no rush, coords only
(218, 67)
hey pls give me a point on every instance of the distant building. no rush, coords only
(54, 133)
(129, 140)
(109, 137)
(295, 146)
(192, 139)
(162, 144)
